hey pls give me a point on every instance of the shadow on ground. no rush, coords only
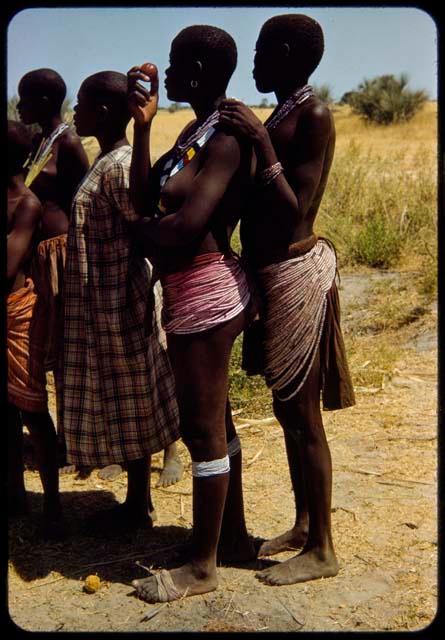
(84, 552)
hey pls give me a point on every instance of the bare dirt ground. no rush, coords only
(384, 516)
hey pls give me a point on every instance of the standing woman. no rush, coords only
(192, 199)
(57, 165)
(304, 352)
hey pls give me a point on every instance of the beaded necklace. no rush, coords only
(184, 152)
(298, 97)
(211, 120)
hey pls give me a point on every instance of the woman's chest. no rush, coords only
(178, 185)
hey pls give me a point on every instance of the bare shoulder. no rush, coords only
(316, 113)
(70, 141)
(223, 144)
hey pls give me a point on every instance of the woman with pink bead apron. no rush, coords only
(191, 201)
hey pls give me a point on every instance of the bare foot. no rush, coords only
(167, 586)
(290, 541)
(67, 469)
(309, 565)
(171, 473)
(110, 472)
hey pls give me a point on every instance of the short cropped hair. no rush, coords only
(19, 146)
(212, 45)
(303, 35)
(45, 82)
(109, 88)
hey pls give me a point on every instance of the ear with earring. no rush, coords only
(197, 68)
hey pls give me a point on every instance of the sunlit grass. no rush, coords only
(380, 204)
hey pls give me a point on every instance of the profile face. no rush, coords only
(85, 114)
(178, 76)
(265, 66)
(27, 107)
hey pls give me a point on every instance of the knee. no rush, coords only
(203, 442)
(300, 417)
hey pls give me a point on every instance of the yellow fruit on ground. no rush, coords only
(92, 584)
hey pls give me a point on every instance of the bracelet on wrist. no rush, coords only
(266, 176)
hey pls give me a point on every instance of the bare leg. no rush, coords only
(17, 504)
(44, 439)
(138, 499)
(64, 467)
(295, 537)
(317, 559)
(235, 545)
(200, 364)
(173, 467)
(137, 510)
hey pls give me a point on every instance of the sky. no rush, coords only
(359, 43)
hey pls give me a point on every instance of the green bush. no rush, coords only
(249, 393)
(386, 99)
(175, 106)
(375, 211)
(264, 104)
(347, 97)
(429, 275)
(377, 244)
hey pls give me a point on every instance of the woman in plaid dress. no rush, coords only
(118, 395)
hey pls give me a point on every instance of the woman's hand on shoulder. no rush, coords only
(143, 104)
(242, 120)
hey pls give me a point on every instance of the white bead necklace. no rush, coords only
(298, 97)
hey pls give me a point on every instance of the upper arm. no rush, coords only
(26, 219)
(219, 162)
(306, 160)
(72, 163)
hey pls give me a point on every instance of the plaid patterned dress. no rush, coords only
(118, 401)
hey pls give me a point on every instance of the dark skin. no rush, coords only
(281, 213)
(23, 218)
(57, 182)
(203, 203)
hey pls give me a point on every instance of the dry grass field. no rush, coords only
(408, 138)
(384, 449)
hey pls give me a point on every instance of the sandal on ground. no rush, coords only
(164, 589)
